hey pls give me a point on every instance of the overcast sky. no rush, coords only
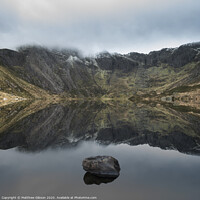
(97, 25)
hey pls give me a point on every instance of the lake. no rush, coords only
(43, 145)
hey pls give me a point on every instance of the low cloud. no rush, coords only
(94, 25)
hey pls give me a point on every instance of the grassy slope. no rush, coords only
(157, 79)
(11, 84)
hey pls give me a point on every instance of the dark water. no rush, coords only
(42, 148)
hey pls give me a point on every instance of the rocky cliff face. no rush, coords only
(67, 73)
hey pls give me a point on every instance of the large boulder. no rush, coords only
(102, 166)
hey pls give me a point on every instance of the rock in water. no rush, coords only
(103, 166)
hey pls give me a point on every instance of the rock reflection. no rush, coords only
(90, 179)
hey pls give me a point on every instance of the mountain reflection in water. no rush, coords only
(36, 126)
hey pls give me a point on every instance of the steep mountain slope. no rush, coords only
(67, 73)
(12, 84)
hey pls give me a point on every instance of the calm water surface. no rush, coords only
(42, 151)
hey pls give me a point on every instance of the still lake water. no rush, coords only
(42, 148)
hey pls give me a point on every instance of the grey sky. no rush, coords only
(97, 25)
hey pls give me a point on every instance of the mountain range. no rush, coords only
(38, 72)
